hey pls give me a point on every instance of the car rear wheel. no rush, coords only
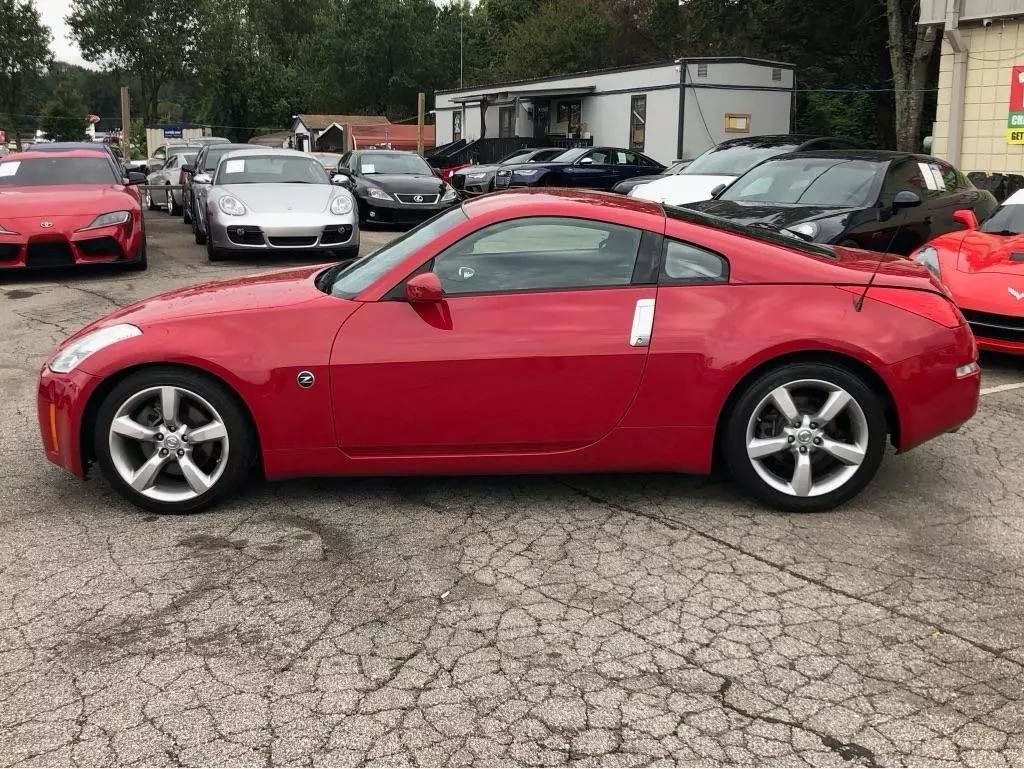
(806, 437)
(186, 211)
(172, 207)
(173, 441)
(150, 203)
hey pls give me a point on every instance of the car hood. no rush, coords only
(65, 200)
(281, 198)
(775, 214)
(681, 189)
(281, 288)
(412, 184)
(983, 252)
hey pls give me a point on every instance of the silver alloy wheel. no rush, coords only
(170, 200)
(149, 200)
(168, 443)
(807, 438)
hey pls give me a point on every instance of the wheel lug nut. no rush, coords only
(796, 424)
(814, 425)
(181, 452)
(791, 439)
(163, 452)
(184, 439)
(803, 449)
(817, 441)
(159, 436)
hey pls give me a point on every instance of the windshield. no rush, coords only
(45, 172)
(348, 281)
(213, 156)
(734, 160)
(386, 163)
(570, 155)
(1007, 220)
(809, 182)
(271, 169)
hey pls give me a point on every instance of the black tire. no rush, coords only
(241, 457)
(172, 208)
(150, 203)
(199, 235)
(735, 426)
(186, 210)
(140, 263)
(213, 254)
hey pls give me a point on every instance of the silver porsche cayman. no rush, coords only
(277, 200)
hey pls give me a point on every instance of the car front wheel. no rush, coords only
(173, 441)
(806, 437)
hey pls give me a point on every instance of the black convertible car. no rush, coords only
(393, 187)
(877, 200)
(599, 168)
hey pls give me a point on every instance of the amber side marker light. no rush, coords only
(53, 427)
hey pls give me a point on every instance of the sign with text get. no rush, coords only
(1015, 123)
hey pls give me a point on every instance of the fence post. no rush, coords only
(419, 123)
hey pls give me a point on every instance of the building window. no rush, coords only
(506, 121)
(702, 69)
(637, 122)
(777, 74)
(569, 114)
(737, 124)
(456, 125)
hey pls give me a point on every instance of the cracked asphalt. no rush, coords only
(593, 620)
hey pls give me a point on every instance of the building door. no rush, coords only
(506, 118)
(637, 122)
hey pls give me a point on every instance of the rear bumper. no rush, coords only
(60, 404)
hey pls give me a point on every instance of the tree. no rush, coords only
(911, 54)
(65, 117)
(24, 51)
(148, 38)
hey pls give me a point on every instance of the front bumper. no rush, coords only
(374, 211)
(62, 246)
(283, 232)
(60, 405)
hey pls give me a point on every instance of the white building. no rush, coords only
(667, 110)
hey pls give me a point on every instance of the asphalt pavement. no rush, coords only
(588, 620)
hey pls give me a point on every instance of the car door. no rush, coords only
(626, 164)
(592, 170)
(538, 346)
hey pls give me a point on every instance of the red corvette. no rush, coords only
(983, 268)
(524, 332)
(60, 209)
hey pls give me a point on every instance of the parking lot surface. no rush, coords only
(605, 620)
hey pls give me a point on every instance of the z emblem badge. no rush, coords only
(1018, 295)
(305, 379)
(45, 224)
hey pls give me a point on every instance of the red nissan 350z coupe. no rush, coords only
(526, 332)
(61, 209)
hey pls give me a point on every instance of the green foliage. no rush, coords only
(65, 116)
(24, 52)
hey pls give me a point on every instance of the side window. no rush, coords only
(599, 157)
(173, 162)
(539, 254)
(907, 175)
(646, 162)
(625, 158)
(161, 153)
(951, 178)
(343, 162)
(685, 263)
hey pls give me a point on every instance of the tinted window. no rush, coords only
(600, 157)
(270, 169)
(43, 172)
(348, 281)
(213, 156)
(735, 160)
(686, 263)
(1007, 220)
(539, 254)
(809, 181)
(910, 176)
(382, 163)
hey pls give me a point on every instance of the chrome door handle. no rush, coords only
(643, 323)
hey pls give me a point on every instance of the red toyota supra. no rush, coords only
(982, 266)
(68, 208)
(527, 332)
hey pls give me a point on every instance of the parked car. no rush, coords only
(627, 186)
(69, 209)
(478, 179)
(329, 160)
(982, 266)
(871, 199)
(730, 160)
(473, 344)
(164, 151)
(262, 200)
(393, 187)
(599, 168)
(116, 162)
(170, 176)
(194, 198)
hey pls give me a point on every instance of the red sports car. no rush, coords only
(983, 268)
(60, 209)
(527, 332)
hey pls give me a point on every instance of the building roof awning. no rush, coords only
(508, 96)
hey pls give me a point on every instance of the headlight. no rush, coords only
(928, 257)
(231, 205)
(106, 220)
(69, 358)
(379, 194)
(476, 177)
(341, 205)
(449, 194)
(807, 229)
(526, 171)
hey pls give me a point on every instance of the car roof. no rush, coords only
(385, 152)
(776, 140)
(251, 151)
(65, 146)
(529, 197)
(871, 156)
(71, 153)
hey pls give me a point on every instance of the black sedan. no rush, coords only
(393, 187)
(476, 180)
(598, 168)
(877, 200)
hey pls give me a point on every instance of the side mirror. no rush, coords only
(134, 177)
(342, 180)
(905, 199)
(202, 179)
(424, 288)
(718, 190)
(586, 161)
(155, 165)
(967, 218)
(189, 169)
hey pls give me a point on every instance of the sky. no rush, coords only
(62, 47)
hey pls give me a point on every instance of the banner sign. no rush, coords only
(1015, 122)
(174, 132)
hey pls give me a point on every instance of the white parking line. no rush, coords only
(1001, 388)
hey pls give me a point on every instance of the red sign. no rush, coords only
(1017, 89)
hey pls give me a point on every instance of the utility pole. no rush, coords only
(419, 122)
(126, 124)
(462, 9)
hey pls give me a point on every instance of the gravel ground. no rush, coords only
(491, 621)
